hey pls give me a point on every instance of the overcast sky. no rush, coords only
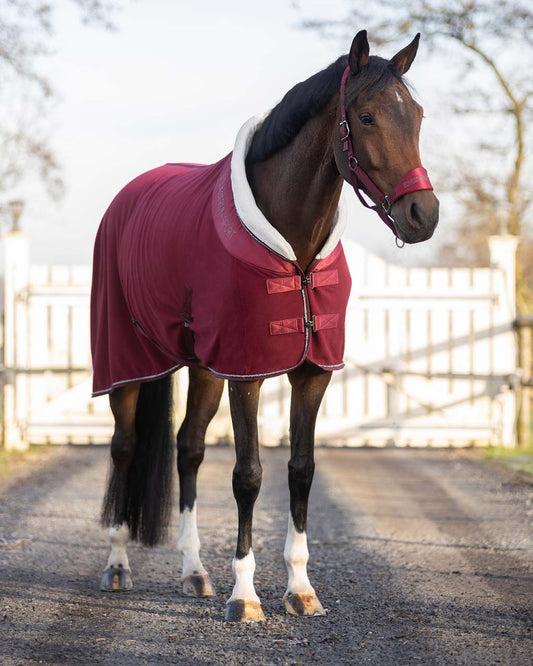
(174, 83)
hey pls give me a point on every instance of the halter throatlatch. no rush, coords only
(413, 181)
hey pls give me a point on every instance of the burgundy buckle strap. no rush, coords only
(314, 280)
(316, 323)
(281, 285)
(287, 326)
(413, 181)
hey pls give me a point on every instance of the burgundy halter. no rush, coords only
(413, 181)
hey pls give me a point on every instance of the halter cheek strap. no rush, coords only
(413, 181)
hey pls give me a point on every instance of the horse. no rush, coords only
(236, 270)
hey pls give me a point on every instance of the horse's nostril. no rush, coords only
(416, 219)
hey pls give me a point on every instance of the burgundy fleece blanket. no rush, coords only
(179, 280)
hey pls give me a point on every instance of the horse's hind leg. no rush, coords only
(123, 402)
(203, 400)
(308, 386)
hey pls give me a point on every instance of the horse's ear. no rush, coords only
(359, 51)
(404, 58)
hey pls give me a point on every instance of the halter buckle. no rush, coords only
(353, 163)
(346, 127)
(386, 204)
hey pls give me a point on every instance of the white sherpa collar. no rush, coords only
(250, 215)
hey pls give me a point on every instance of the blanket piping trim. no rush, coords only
(275, 373)
(147, 378)
(124, 382)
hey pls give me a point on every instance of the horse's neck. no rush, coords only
(298, 188)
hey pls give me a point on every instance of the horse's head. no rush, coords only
(377, 148)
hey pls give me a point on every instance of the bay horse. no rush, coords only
(236, 271)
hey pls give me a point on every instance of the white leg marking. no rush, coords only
(296, 557)
(189, 543)
(243, 571)
(118, 536)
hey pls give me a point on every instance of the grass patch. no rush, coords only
(518, 459)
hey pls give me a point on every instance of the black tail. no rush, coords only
(148, 493)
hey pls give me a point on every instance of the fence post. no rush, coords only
(503, 257)
(524, 327)
(16, 261)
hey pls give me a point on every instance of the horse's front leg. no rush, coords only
(244, 604)
(308, 386)
(203, 400)
(123, 402)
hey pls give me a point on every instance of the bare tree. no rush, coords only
(492, 43)
(26, 94)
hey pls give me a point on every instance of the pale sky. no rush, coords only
(174, 83)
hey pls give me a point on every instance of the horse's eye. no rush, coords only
(366, 119)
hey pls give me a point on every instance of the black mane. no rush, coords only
(309, 98)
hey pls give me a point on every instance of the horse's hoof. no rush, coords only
(241, 610)
(198, 585)
(303, 605)
(116, 580)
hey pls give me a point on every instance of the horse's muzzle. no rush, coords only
(416, 216)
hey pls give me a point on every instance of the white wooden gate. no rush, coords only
(430, 357)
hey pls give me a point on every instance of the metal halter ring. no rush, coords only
(347, 127)
(353, 163)
(398, 243)
(386, 205)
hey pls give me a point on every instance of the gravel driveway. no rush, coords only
(421, 557)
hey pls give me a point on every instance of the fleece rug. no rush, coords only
(187, 271)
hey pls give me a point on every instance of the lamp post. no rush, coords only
(15, 207)
(11, 211)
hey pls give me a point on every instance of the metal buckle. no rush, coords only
(345, 123)
(386, 204)
(308, 280)
(347, 127)
(310, 323)
(353, 163)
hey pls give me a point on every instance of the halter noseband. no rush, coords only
(413, 181)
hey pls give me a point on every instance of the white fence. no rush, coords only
(431, 357)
